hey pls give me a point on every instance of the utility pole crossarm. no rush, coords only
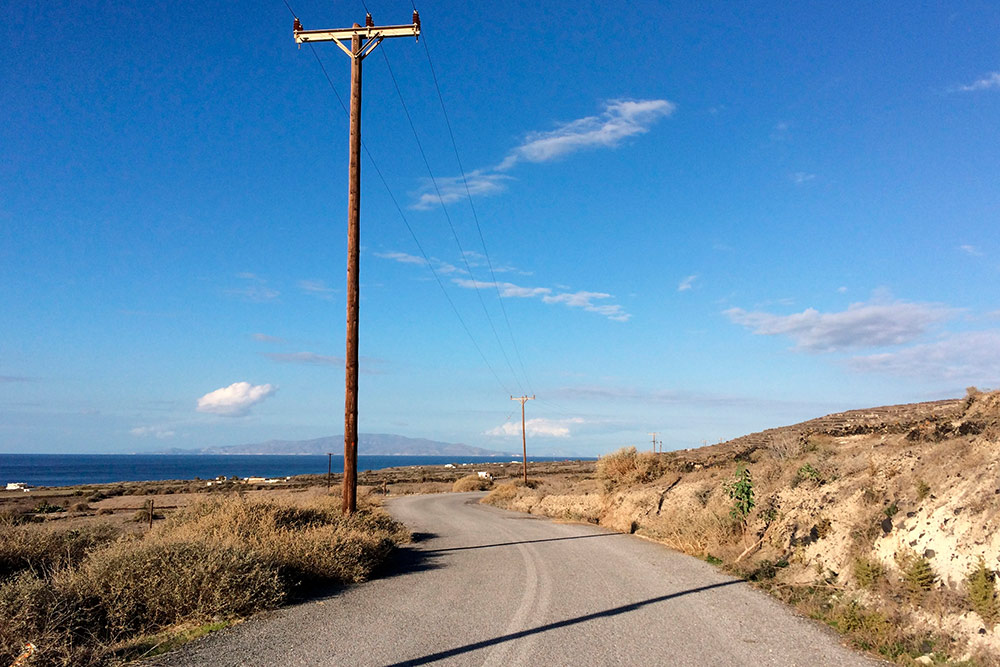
(366, 32)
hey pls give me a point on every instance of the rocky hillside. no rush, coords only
(884, 522)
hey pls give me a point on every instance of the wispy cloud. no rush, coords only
(687, 283)
(539, 427)
(317, 288)
(620, 120)
(453, 188)
(586, 300)
(800, 177)
(971, 250)
(234, 400)
(971, 357)
(506, 289)
(264, 338)
(310, 358)
(871, 324)
(255, 289)
(991, 80)
(402, 257)
(159, 432)
(582, 299)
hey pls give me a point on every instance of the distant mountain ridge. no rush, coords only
(369, 444)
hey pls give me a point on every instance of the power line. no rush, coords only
(402, 216)
(475, 215)
(447, 216)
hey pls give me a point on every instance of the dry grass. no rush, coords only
(221, 559)
(872, 521)
(627, 467)
(471, 483)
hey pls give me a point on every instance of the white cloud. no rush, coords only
(585, 300)
(160, 432)
(842, 290)
(582, 299)
(255, 290)
(549, 428)
(402, 257)
(305, 358)
(801, 177)
(991, 80)
(506, 289)
(317, 288)
(234, 400)
(971, 250)
(264, 338)
(621, 119)
(971, 357)
(871, 324)
(686, 284)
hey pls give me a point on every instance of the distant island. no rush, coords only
(369, 444)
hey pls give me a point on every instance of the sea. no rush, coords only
(75, 469)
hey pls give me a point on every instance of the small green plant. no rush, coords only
(46, 508)
(868, 572)
(923, 490)
(918, 576)
(891, 510)
(740, 491)
(808, 472)
(712, 560)
(980, 586)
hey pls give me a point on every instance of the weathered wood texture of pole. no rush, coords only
(350, 500)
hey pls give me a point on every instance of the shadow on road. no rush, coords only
(614, 611)
(510, 544)
(409, 559)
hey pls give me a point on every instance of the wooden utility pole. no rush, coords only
(363, 41)
(524, 440)
(654, 440)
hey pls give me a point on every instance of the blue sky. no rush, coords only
(702, 219)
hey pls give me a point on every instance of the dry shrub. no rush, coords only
(144, 586)
(785, 445)
(43, 550)
(219, 559)
(628, 466)
(52, 617)
(500, 495)
(471, 483)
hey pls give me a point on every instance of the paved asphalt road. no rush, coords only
(481, 586)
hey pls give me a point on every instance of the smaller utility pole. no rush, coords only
(654, 440)
(524, 444)
(329, 470)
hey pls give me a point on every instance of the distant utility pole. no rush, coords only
(524, 444)
(654, 440)
(363, 41)
(329, 470)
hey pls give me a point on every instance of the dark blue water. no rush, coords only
(72, 469)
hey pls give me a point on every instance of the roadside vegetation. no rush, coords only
(884, 524)
(104, 593)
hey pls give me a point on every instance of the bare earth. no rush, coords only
(482, 586)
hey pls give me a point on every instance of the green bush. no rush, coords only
(868, 572)
(918, 576)
(740, 491)
(980, 586)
